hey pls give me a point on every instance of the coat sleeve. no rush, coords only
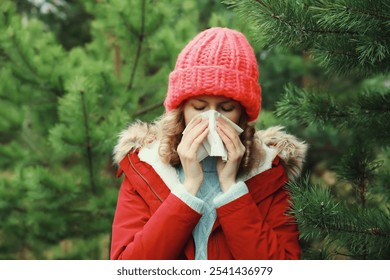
(252, 233)
(136, 234)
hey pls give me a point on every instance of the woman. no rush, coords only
(173, 206)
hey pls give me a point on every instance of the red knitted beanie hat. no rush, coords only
(218, 61)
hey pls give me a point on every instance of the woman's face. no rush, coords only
(226, 106)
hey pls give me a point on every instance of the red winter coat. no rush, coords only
(152, 223)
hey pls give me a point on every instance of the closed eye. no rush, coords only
(227, 109)
(199, 108)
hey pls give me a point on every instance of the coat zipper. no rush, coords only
(143, 178)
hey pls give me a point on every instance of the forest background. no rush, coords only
(73, 74)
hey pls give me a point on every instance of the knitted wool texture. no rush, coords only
(209, 189)
(218, 61)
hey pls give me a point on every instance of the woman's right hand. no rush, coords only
(194, 135)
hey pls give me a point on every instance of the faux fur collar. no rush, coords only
(273, 141)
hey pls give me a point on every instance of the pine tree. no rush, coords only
(350, 41)
(64, 97)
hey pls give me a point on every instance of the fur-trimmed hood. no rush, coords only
(273, 141)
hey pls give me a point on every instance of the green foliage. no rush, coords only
(343, 115)
(344, 36)
(365, 232)
(364, 114)
(37, 210)
(277, 66)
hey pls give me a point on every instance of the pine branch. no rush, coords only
(359, 166)
(337, 227)
(364, 7)
(363, 256)
(88, 145)
(365, 113)
(308, 107)
(36, 80)
(141, 37)
(340, 37)
(267, 10)
(374, 15)
(360, 231)
(148, 109)
(23, 57)
(345, 16)
(130, 28)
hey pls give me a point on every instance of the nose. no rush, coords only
(213, 107)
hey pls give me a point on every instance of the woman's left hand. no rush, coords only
(227, 171)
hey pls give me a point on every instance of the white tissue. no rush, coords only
(213, 145)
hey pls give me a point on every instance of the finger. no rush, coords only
(192, 124)
(234, 148)
(194, 132)
(231, 134)
(188, 137)
(226, 139)
(187, 142)
(198, 140)
(221, 121)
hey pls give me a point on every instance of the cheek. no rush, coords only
(234, 116)
(188, 115)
